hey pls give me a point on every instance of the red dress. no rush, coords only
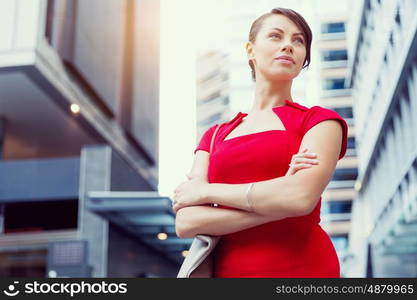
(294, 246)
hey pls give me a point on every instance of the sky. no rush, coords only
(177, 94)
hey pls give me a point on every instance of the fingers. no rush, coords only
(305, 161)
(305, 153)
(174, 209)
(175, 205)
(302, 160)
(312, 155)
(298, 167)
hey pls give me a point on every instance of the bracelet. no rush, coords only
(247, 196)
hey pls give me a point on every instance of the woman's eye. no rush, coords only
(300, 40)
(274, 35)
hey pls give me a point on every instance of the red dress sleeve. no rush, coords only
(205, 140)
(317, 114)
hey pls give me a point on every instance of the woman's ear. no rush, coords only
(249, 50)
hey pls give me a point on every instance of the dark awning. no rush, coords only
(144, 215)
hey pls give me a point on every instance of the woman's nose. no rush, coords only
(288, 48)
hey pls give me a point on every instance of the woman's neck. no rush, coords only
(270, 94)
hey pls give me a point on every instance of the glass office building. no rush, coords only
(383, 58)
(79, 117)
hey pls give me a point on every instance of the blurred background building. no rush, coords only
(80, 127)
(329, 74)
(383, 79)
(212, 94)
(79, 112)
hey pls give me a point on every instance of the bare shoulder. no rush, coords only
(324, 139)
(200, 164)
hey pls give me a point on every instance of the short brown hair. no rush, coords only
(293, 16)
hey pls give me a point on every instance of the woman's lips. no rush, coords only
(284, 61)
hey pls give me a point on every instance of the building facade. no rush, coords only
(383, 80)
(79, 115)
(212, 90)
(330, 71)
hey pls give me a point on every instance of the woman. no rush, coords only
(268, 197)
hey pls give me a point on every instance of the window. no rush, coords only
(334, 55)
(336, 207)
(345, 174)
(397, 17)
(40, 215)
(351, 142)
(340, 242)
(211, 119)
(49, 20)
(211, 97)
(344, 112)
(334, 84)
(333, 27)
(215, 73)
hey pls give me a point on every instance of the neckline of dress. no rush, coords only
(286, 102)
(239, 118)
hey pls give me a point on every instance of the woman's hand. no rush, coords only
(190, 193)
(301, 160)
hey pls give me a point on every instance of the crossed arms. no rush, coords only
(272, 200)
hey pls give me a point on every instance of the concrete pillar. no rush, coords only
(2, 207)
(2, 135)
(95, 171)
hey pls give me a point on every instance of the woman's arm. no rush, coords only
(288, 196)
(205, 219)
(281, 195)
(202, 219)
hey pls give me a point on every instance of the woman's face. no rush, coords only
(278, 36)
